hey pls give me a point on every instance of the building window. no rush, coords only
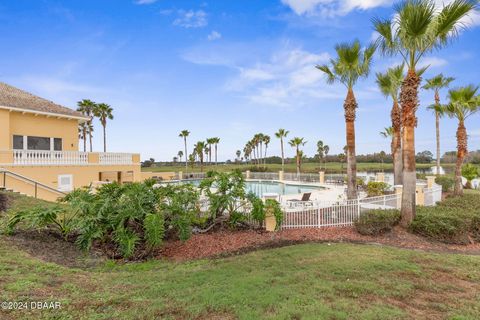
(57, 144)
(38, 143)
(18, 142)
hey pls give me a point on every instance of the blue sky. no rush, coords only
(217, 68)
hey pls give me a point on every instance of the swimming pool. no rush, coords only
(261, 187)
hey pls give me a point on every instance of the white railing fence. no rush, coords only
(432, 195)
(115, 158)
(41, 157)
(36, 157)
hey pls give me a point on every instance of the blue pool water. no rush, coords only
(261, 187)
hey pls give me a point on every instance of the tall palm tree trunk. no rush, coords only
(350, 105)
(409, 102)
(90, 140)
(283, 156)
(84, 129)
(461, 152)
(437, 130)
(104, 138)
(396, 116)
(186, 155)
(265, 158)
(215, 154)
(298, 163)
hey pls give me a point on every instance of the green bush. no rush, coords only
(469, 172)
(454, 220)
(376, 222)
(441, 224)
(445, 182)
(375, 189)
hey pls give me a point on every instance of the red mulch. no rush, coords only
(222, 243)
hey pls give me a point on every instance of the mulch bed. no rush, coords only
(226, 242)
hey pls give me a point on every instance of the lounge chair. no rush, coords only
(305, 200)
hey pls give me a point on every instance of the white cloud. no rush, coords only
(191, 19)
(432, 62)
(287, 79)
(214, 35)
(145, 1)
(332, 7)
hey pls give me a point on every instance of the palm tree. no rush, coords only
(351, 64)
(260, 142)
(266, 141)
(180, 155)
(463, 102)
(82, 134)
(388, 133)
(210, 142)
(199, 148)
(389, 84)
(326, 149)
(280, 134)
(321, 151)
(216, 141)
(417, 27)
(436, 83)
(87, 107)
(296, 143)
(184, 134)
(104, 112)
(238, 153)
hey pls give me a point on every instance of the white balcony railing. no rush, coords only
(115, 158)
(37, 157)
(40, 157)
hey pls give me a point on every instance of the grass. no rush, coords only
(332, 167)
(311, 281)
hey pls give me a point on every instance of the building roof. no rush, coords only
(16, 99)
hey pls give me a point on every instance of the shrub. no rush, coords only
(469, 172)
(376, 222)
(376, 188)
(454, 220)
(442, 224)
(40, 217)
(445, 182)
(228, 199)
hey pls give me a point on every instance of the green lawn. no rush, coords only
(311, 281)
(332, 167)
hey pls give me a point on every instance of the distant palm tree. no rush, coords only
(104, 112)
(321, 147)
(280, 134)
(326, 149)
(180, 155)
(266, 141)
(82, 134)
(296, 143)
(389, 84)
(417, 27)
(87, 107)
(184, 134)
(388, 133)
(199, 149)
(260, 143)
(352, 63)
(216, 141)
(436, 83)
(210, 143)
(463, 102)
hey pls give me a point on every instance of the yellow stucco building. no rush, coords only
(39, 149)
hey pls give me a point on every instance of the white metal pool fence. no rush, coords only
(318, 214)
